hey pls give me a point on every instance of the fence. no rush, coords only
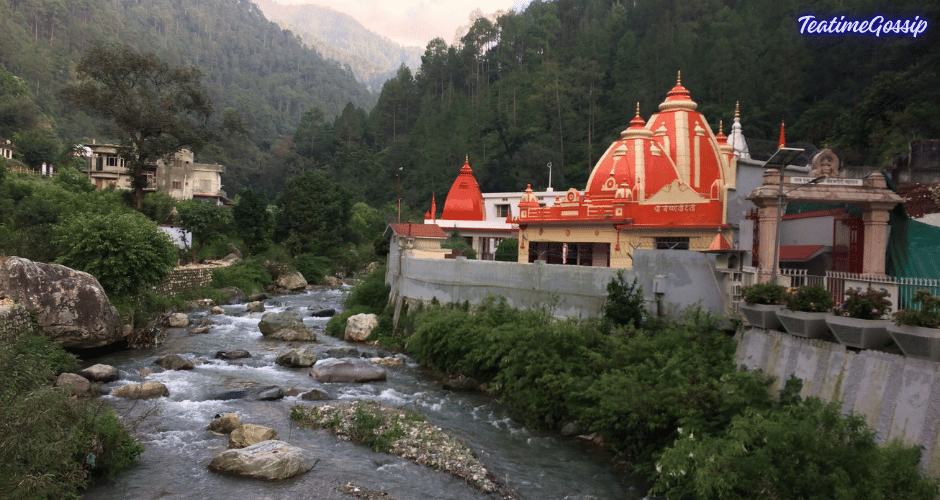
(902, 289)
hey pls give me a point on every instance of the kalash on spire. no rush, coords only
(663, 184)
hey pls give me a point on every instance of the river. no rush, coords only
(537, 465)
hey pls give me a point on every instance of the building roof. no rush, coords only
(800, 252)
(412, 230)
(464, 201)
(921, 199)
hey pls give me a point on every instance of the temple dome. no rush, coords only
(464, 200)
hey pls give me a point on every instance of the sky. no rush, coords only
(414, 22)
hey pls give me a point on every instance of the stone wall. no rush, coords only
(182, 279)
(14, 320)
(898, 396)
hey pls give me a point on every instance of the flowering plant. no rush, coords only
(927, 315)
(865, 304)
(808, 299)
(763, 293)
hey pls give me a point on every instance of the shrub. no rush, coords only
(808, 299)
(126, 252)
(927, 314)
(805, 450)
(763, 293)
(507, 250)
(867, 304)
(247, 275)
(372, 293)
(55, 452)
(313, 268)
(625, 304)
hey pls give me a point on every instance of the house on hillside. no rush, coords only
(182, 177)
(416, 240)
(6, 149)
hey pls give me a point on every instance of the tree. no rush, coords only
(508, 250)
(252, 219)
(125, 252)
(207, 222)
(314, 213)
(154, 108)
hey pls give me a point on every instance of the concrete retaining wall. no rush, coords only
(671, 281)
(898, 396)
(183, 279)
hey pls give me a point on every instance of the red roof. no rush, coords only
(799, 252)
(412, 230)
(464, 201)
(719, 243)
(922, 199)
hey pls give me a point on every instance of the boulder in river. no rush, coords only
(249, 434)
(291, 281)
(271, 394)
(225, 423)
(323, 313)
(270, 460)
(177, 320)
(343, 352)
(72, 384)
(70, 306)
(233, 354)
(200, 330)
(100, 373)
(347, 370)
(360, 326)
(286, 325)
(389, 362)
(216, 310)
(297, 357)
(255, 306)
(146, 390)
(233, 295)
(174, 362)
(315, 395)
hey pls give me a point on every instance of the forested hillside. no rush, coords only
(261, 73)
(372, 58)
(559, 81)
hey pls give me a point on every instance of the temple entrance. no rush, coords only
(848, 235)
(572, 254)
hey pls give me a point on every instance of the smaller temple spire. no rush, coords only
(721, 126)
(738, 143)
(638, 109)
(783, 142)
(433, 208)
(679, 78)
(737, 110)
(467, 159)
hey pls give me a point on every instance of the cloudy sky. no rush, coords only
(414, 22)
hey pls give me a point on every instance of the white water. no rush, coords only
(538, 466)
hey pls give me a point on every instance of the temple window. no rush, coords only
(502, 211)
(672, 243)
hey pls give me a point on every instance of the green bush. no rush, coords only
(53, 445)
(864, 304)
(925, 311)
(814, 298)
(371, 293)
(248, 275)
(507, 250)
(804, 450)
(763, 293)
(313, 268)
(625, 303)
(126, 252)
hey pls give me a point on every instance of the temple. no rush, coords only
(663, 185)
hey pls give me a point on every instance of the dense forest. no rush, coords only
(553, 83)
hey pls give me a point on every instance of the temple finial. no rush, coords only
(638, 108)
(467, 159)
(679, 78)
(737, 109)
(721, 127)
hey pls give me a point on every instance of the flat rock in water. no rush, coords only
(269, 460)
(146, 390)
(234, 354)
(174, 362)
(315, 395)
(347, 370)
(249, 434)
(323, 313)
(100, 373)
(297, 357)
(271, 394)
(178, 320)
(200, 330)
(294, 334)
(343, 352)
(225, 424)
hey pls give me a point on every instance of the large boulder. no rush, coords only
(225, 423)
(174, 362)
(359, 326)
(270, 460)
(177, 320)
(100, 373)
(71, 307)
(249, 434)
(286, 325)
(323, 313)
(233, 354)
(255, 306)
(332, 281)
(297, 357)
(347, 370)
(72, 384)
(291, 281)
(146, 390)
